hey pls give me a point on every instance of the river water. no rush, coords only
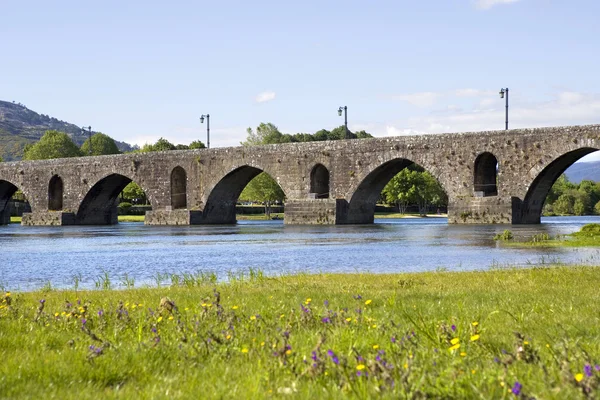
(35, 257)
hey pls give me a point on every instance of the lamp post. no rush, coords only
(89, 128)
(345, 110)
(207, 116)
(503, 92)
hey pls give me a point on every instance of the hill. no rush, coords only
(584, 171)
(20, 125)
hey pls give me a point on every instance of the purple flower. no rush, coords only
(497, 360)
(335, 360)
(393, 339)
(357, 297)
(83, 321)
(453, 327)
(313, 355)
(378, 358)
(100, 313)
(587, 369)
(516, 389)
(288, 347)
(326, 320)
(358, 373)
(597, 367)
(330, 353)
(42, 301)
(326, 303)
(304, 309)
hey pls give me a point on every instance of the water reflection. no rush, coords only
(34, 256)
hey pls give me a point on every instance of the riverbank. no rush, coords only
(454, 335)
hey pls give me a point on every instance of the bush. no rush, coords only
(506, 235)
(124, 207)
(589, 230)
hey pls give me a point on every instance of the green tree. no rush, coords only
(414, 186)
(264, 134)
(161, 144)
(264, 189)
(133, 194)
(400, 190)
(197, 144)
(53, 144)
(101, 145)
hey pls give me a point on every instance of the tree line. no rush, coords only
(568, 198)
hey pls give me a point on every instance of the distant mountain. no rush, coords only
(584, 171)
(20, 125)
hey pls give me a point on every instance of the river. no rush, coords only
(37, 257)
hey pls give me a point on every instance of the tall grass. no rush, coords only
(491, 334)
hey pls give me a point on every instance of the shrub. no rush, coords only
(506, 235)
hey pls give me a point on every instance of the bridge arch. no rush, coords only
(221, 202)
(531, 207)
(7, 190)
(361, 206)
(99, 206)
(55, 193)
(319, 181)
(178, 188)
(485, 174)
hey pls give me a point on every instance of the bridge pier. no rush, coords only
(480, 210)
(48, 218)
(311, 212)
(178, 217)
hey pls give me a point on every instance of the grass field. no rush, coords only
(516, 333)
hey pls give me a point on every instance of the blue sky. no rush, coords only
(141, 70)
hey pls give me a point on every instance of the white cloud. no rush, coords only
(487, 4)
(422, 99)
(472, 92)
(264, 97)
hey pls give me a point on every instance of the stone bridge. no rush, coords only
(490, 177)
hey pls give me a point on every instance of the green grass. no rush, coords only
(588, 236)
(309, 336)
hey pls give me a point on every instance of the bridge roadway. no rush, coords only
(499, 177)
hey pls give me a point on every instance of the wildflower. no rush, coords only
(262, 343)
(326, 303)
(100, 312)
(357, 297)
(454, 347)
(463, 354)
(234, 307)
(282, 315)
(374, 326)
(42, 301)
(244, 350)
(405, 365)
(368, 302)
(360, 367)
(326, 320)
(348, 319)
(7, 294)
(375, 346)
(597, 367)
(454, 340)
(453, 327)
(56, 314)
(159, 319)
(228, 337)
(393, 339)
(516, 389)
(83, 321)
(474, 338)
(288, 351)
(475, 323)
(171, 318)
(587, 370)
(252, 317)
(308, 300)
(579, 377)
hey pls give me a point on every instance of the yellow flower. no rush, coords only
(140, 305)
(228, 337)
(185, 309)
(159, 319)
(134, 306)
(456, 346)
(171, 318)
(474, 338)
(455, 340)
(56, 314)
(473, 371)
(348, 319)
(368, 302)
(244, 350)
(463, 354)
(374, 326)
(7, 294)
(307, 302)
(475, 323)
(526, 343)
(375, 346)
(288, 352)
(579, 377)
(262, 343)
(252, 317)
(234, 307)
(282, 315)
(360, 367)
(405, 365)
(547, 345)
